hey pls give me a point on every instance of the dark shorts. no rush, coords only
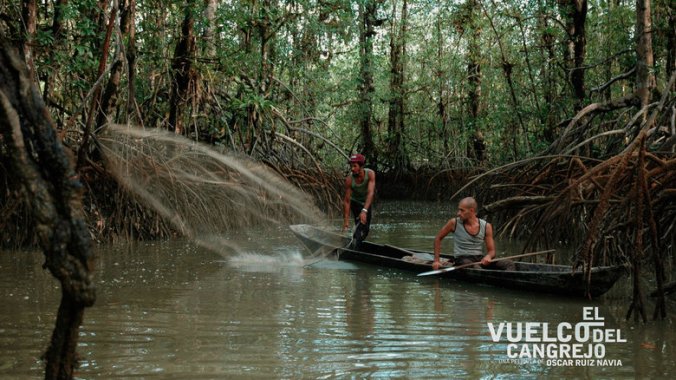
(362, 230)
(496, 265)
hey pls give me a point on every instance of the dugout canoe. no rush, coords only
(543, 278)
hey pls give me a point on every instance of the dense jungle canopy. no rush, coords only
(410, 83)
(431, 92)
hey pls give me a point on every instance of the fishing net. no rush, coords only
(207, 195)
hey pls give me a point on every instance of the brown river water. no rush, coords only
(172, 310)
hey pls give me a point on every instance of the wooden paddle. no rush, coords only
(444, 270)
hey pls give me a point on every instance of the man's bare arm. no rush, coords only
(445, 230)
(490, 245)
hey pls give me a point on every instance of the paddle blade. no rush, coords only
(438, 271)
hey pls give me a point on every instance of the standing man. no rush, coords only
(469, 235)
(360, 186)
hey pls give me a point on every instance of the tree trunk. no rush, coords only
(265, 34)
(395, 127)
(210, 7)
(645, 79)
(367, 22)
(29, 27)
(55, 192)
(182, 70)
(608, 50)
(57, 26)
(475, 147)
(128, 16)
(309, 60)
(574, 13)
(671, 47)
(441, 104)
(548, 75)
(245, 40)
(96, 97)
(109, 100)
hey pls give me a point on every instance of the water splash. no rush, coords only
(205, 194)
(258, 259)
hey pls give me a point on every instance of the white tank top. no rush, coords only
(466, 244)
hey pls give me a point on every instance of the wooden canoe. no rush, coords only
(545, 278)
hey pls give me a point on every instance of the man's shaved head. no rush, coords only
(469, 202)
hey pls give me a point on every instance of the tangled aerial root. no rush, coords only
(612, 200)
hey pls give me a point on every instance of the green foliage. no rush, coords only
(301, 61)
(44, 37)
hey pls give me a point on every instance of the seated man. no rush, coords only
(469, 234)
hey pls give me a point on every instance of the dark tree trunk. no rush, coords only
(308, 58)
(245, 40)
(47, 176)
(474, 76)
(645, 79)
(608, 49)
(96, 97)
(265, 34)
(57, 26)
(109, 100)
(266, 27)
(128, 16)
(182, 70)
(29, 27)
(671, 46)
(574, 13)
(548, 75)
(367, 31)
(441, 104)
(395, 126)
(474, 82)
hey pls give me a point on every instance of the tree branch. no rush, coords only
(604, 86)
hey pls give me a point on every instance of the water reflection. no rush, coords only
(173, 310)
